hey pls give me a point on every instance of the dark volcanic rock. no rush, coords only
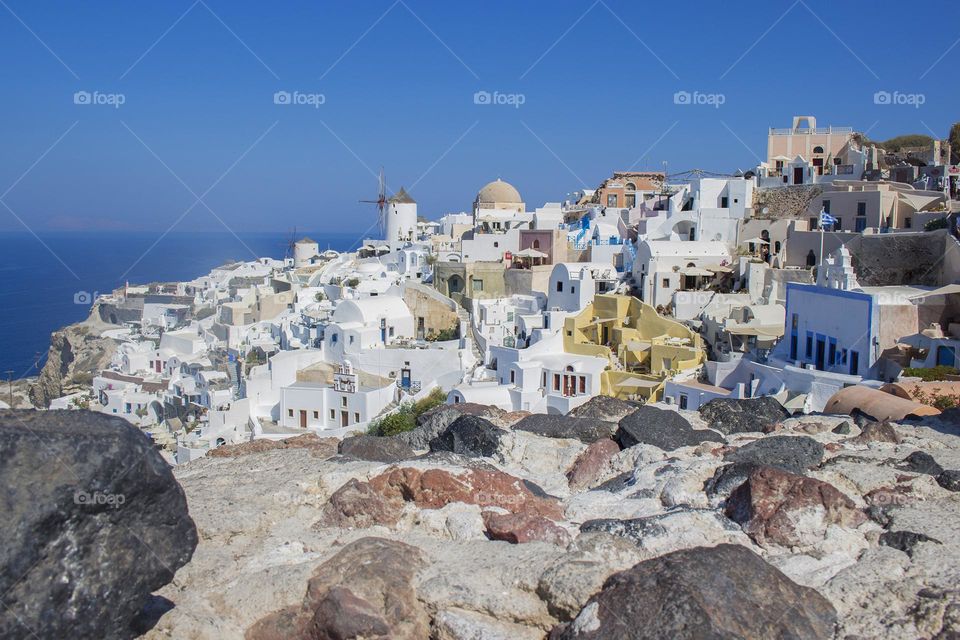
(469, 436)
(904, 540)
(376, 449)
(634, 529)
(604, 408)
(731, 415)
(920, 462)
(949, 480)
(93, 523)
(364, 591)
(661, 428)
(727, 478)
(842, 429)
(721, 592)
(779, 507)
(617, 483)
(434, 422)
(793, 453)
(586, 430)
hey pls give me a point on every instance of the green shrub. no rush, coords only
(352, 282)
(930, 374)
(405, 418)
(938, 223)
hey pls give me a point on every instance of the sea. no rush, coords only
(50, 280)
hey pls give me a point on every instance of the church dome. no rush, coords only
(499, 191)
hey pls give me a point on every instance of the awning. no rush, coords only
(754, 241)
(942, 291)
(695, 271)
(716, 268)
(530, 253)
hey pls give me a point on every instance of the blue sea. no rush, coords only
(50, 282)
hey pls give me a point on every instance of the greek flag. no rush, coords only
(826, 220)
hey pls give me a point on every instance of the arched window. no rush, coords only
(818, 149)
(630, 187)
(536, 244)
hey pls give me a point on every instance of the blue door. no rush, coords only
(946, 356)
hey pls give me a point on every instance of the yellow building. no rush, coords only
(643, 348)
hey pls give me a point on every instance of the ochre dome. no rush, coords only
(499, 191)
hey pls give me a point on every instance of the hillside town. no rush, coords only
(826, 277)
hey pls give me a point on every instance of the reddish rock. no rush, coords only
(356, 504)
(364, 591)
(888, 497)
(833, 446)
(435, 488)
(589, 465)
(518, 528)
(779, 507)
(320, 447)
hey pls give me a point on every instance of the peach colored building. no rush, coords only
(626, 188)
(819, 146)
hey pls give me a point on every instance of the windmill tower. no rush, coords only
(401, 219)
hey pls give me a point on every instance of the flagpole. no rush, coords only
(820, 265)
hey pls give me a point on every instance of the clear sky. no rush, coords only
(199, 127)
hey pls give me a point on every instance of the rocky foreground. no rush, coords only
(613, 522)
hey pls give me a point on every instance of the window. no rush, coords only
(612, 200)
(809, 344)
(391, 332)
(854, 362)
(477, 284)
(496, 244)
(356, 416)
(351, 339)
(908, 223)
(333, 414)
(860, 224)
(683, 401)
(861, 208)
(583, 384)
(513, 376)
(630, 200)
(343, 401)
(556, 382)
(723, 202)
(316, 415)
(813, 223)
(573, 289)
(333, 339)
(826, 206)
(818, 149)
(838, 225)
(290, 412)
(559, 286)
(536, 244)
(666, 283)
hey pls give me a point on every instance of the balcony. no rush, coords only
(819, 131)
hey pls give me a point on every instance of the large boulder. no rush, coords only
(586, 430)
(732, 415)
(93, 523)
(661, 428)
(469, 436)
(376, 449)
(364, 591)
(782, 508)
(605, 408)
(432, 423)
(795, 454)
(718, 592)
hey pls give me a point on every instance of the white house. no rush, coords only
(573, 284)
(663, 267)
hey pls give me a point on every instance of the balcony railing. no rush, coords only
(818, 131)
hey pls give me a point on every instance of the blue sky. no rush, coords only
(398, 79)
